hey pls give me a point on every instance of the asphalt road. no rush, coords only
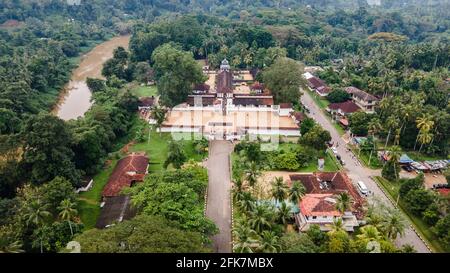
(218, 203)
(358, 172)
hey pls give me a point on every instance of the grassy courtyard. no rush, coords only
(423, 228)
(144, 91)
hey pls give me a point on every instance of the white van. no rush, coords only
(363, 188)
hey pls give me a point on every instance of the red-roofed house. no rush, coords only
(128, 170)
(318, 85)
(298, 117)
(363, 99)
(341, 110)
(318, 206)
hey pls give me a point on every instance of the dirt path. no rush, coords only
(219, 204)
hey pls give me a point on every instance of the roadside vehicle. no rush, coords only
(362, 188)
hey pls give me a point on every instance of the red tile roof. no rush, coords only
(285, 105)
(299, 116)
(318, 205)
(360, 94)
(346, 107)
(315, 82)
(323, 89)
(328, 183)
(128, 170)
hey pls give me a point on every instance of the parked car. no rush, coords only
(362, 188)
(334, 150)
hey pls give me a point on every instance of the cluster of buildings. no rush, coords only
(231, 105)
(360, 100)
(318, 206)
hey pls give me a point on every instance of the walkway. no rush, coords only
(219, 204)
(356, 171)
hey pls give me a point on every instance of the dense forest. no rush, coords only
(399, 52)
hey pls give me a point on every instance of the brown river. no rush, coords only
(75, 98)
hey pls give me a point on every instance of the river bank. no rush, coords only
(75, 98)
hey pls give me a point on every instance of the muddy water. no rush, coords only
(75, 99)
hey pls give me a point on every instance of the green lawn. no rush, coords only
(157, 149)
(423, 228)
(375, 162)
(145, 91)
(89, 202)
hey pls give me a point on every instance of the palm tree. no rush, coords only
(296, 192)
(67, 211)
(374, 126)
(393, 225)
(260, 218)
(392, 123)
(252, 173)
(279, 189)
(337, 226)
(36, 213)
(238, 189)
(247, 202)
(394, 153)
(245, 246)
(284, 214)
(343, 202)
(424, 137)
(408, 249)
(374, 218)
(243, 236)
(159, 115)
(269, 242)
(10, 247)
(369, 233)
(424, 123)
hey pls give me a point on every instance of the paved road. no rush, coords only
(357, 172)
(219, 204)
